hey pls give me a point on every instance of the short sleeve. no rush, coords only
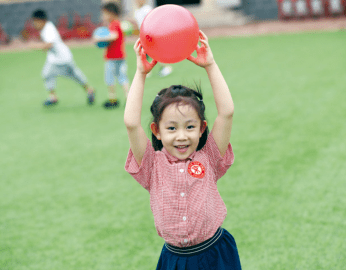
(49, 34)
(219, 164)
(142, 174)
(114, 27)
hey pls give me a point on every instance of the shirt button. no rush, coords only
(184, 218)
(181, 170)
(185, 240)
(182, 194)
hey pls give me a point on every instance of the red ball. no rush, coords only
(169, 34)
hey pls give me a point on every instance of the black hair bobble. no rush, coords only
(178, 90)
(200, 99)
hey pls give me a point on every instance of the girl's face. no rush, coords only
(179, 130)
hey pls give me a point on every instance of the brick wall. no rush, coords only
(13, 16)
(261, 9)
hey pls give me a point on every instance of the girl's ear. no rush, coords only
(155, 130)
(203, 127)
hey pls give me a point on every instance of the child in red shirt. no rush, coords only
(115, 65)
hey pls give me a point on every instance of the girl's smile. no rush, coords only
(182, 148)
(179, 130)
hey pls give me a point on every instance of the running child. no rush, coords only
(140, 13)
(114, 54)
(59, 59)
(180, 167)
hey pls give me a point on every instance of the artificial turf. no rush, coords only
(67, 203)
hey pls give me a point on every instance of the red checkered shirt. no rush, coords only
(184, 199)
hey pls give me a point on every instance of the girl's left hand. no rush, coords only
(204, 55)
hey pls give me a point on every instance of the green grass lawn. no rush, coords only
(66, 201)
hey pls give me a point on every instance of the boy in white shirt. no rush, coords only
(59, 59)
(140, 14)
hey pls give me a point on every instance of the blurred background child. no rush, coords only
(59, 59)
(114, 54)
(140, 13)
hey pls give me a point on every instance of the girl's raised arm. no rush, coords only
(133, 109)
(223, 123)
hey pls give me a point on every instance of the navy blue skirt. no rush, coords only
(217, 253)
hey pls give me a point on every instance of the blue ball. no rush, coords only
(102, 32)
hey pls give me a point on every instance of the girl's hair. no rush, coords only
(178, 94)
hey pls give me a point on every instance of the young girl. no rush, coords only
(181, 166)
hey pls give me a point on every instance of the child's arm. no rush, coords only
(46, 46)
(113, 36)
(41, 46)
(132, 115)
(223, 123)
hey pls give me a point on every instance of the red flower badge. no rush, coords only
(196, 169)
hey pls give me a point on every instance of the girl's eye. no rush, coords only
(171, 128)
(190, 127)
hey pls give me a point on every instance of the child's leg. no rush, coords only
(126, 87)
(109, 78)
(110, 82)
(77, 75)
(111, 92)
(52, 95)
(121, 73)
(49, 74)
(73, 72)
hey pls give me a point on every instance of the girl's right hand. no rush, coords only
(143, 65)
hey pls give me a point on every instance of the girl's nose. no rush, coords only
(181, 135)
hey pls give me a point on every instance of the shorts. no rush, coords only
(116, 68)
(218, 252)
(51, 71)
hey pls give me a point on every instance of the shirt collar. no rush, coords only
(175, 159)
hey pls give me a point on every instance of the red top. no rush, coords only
(116, 50)
(184, 199)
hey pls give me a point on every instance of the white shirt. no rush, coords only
(59, 53)
(141, 13)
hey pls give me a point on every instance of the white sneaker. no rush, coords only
(165, 71)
